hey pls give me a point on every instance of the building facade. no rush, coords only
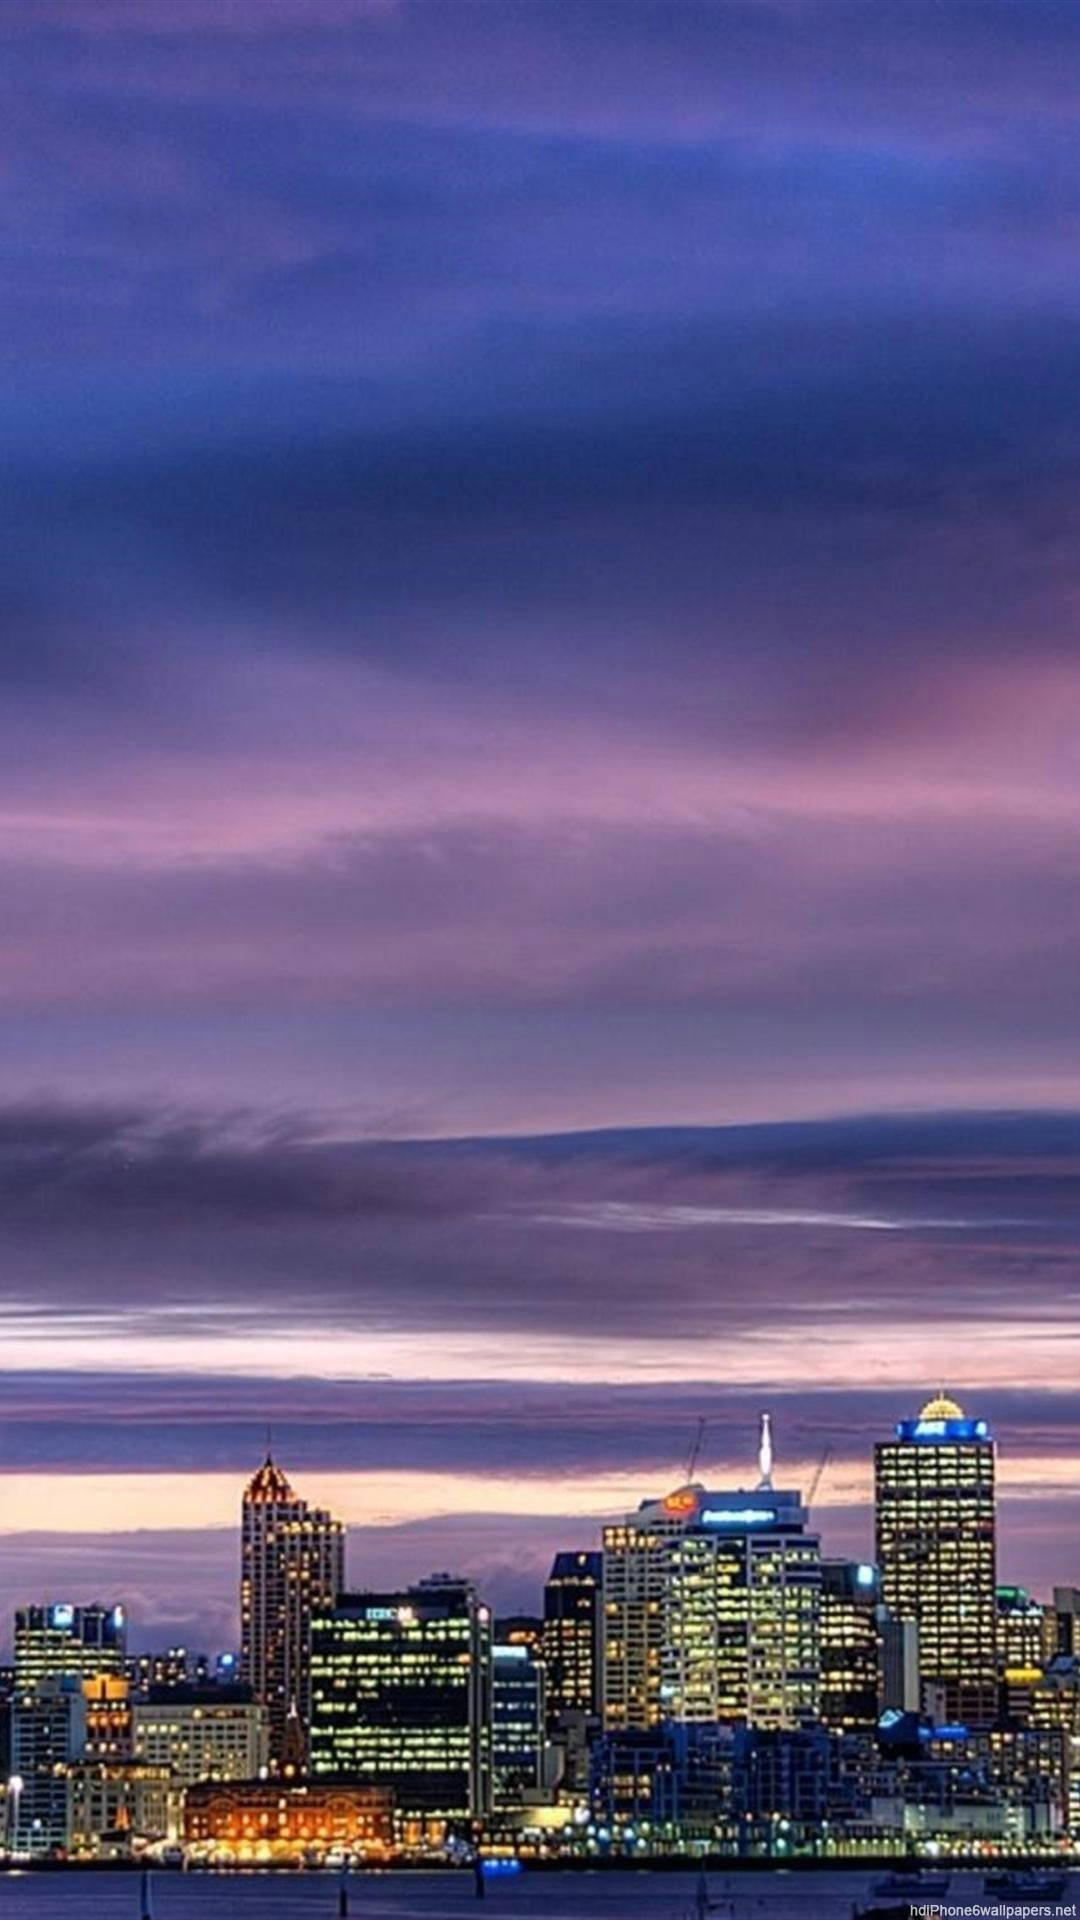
(61, 1638)
(401, 1697)
(518, 1720)
(936, 1550)
(268, 1821)
(712, 1610)
(574, 1634)
(292, 1562)
(850, 1645)
(116, 1807)
(201, 1733)
(48, 1734)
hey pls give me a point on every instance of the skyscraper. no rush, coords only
(712, 1609)
(850, 1640)
(402, 1698)
(517, 1723)
(292, 1560)
(573, 1634)
(934, 1520)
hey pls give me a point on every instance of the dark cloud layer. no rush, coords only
(173, 1220)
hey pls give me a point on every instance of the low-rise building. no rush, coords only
(273, 1820)
(201, 1733)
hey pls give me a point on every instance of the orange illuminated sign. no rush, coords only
(684, 1501)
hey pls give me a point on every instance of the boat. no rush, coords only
(910, 1883)
(1028, 1883)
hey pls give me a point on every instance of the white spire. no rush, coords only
(765, 1453)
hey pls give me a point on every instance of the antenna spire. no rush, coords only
(765, 1456)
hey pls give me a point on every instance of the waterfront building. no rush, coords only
(672, 1782)
(573, 1634)
(48, 1733)
(936, 1551)
(115, 1808)
(201, 1733)
(401, 1697)
(292, 1562)
(518, 1721)
(780, 1787)
(712, 1609)
(272, 1821)
(61, 1638)
(850, 1644)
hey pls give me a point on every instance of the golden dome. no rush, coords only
(941, 1408)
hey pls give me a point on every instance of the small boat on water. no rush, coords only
(910, 1883)
(1027, 1883)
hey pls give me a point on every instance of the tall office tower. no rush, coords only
(850, 1640)
(934, 1517)
(61, 1638)
(48, 1733)
(401, 1696)
(574, 1634)
(292, 1561)
(712, 1609)
(517, 1722)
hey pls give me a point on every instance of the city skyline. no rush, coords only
(380, 1558)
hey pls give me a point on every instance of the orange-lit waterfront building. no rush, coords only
(269, 1820)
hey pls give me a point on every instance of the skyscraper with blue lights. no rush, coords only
(936, 1550)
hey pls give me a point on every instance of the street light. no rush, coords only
(15, 1787)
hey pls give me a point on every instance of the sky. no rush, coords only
(538, 770)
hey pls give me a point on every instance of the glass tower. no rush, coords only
(712, 1609)
(934, 1519)
(573, 1627)
(402, 1698)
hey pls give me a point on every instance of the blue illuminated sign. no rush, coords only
(955, 1431)
(865, 1576)
(738, 1516)
(62, 1617)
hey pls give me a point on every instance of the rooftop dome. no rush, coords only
(941, 1408)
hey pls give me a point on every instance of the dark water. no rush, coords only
(447, 1896)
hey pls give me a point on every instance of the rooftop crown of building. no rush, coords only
(269, 1486)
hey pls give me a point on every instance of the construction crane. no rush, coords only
(826, 1456)
(695, 1451)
